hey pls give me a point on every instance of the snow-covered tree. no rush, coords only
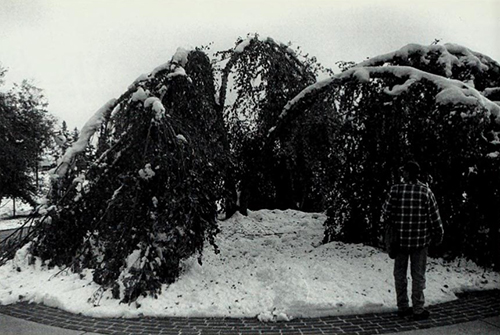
(450, 61)
(258, 78)
(407, 105)
(149, 199)
(175, 145)
(25, 131)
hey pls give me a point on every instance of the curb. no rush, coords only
(470, 306)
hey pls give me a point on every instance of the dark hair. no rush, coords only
(413, 170)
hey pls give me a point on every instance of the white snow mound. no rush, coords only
(271, 266)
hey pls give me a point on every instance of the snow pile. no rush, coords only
(271, 266)
(362, 75)
(494, 154)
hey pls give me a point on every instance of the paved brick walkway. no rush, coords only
(470, 307)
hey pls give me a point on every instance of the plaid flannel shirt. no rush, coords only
(412, 208)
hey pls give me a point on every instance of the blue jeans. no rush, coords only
(418, 261)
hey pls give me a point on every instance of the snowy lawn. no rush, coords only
(6, 223)
(6, 209)
(12, 223)
(271, 266)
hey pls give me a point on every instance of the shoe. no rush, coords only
(405, 312)
(421, 316)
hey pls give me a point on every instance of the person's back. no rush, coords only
(414, 213)
(412, 210)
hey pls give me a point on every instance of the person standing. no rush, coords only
(412, 208)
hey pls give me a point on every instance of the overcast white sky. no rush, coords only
(85, 52)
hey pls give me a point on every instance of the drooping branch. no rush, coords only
(239, 50)
(88, 130)
(449, 60)
(152, 192)
(450, 91)
(266, 74)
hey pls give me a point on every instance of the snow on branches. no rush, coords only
(448, 58)
(151, 195)
(433, 104)
(175, 66)
(88, 130)
(166, 150)
(451, 91)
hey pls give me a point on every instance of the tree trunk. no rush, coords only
(243, 198)
(231, 197)
(36, 177)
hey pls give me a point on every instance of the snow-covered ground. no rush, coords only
(271, 266)
(12, 223)
(6, 212)
(23, 209)
(7, 208)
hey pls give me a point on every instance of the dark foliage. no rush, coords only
(168, 152)
(25, 130)
(378, 132)
(149, 200)
(266, 75)
(15, 180)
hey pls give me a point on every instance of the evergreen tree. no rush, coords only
(25, 131)
(30, 105)
(15, 178)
